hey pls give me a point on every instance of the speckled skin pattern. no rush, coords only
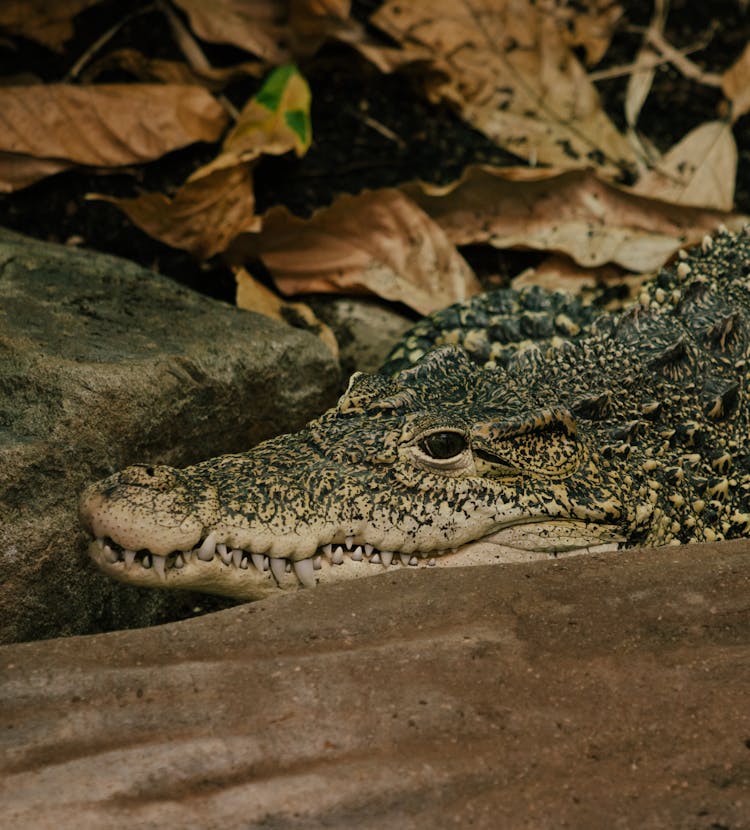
(632, 431)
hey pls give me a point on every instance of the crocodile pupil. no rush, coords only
(443, 444)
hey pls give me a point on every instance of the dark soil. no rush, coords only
(347, 154)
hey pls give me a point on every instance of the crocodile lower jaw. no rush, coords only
(214, 569)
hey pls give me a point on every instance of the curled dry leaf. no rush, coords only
(259, 27)
(254, 296)
(644, 68)
(571, 212)
(735, 84)
(700, 170)
(507, 67)
(204, 215)
(107, 126)
(49, 22)
(378, 242)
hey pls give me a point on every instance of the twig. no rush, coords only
(75, 70)
(378, 127)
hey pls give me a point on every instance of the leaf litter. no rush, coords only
(509, 68)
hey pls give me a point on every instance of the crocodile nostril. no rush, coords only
(149, 471)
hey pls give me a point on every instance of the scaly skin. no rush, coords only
(634, 433)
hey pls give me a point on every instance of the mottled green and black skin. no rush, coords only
(632, 431)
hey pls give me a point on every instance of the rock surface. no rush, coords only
(103, 363)
(609, 691)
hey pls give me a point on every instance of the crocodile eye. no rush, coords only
(443, 444)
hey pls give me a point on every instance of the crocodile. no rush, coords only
(578, 432)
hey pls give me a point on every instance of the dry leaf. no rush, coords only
(590, 24)
(560, 273)
(254, 296)
(700, 170)
(378, 242)
(17, 172)
(259, 27)
(49, 22)
(507, 68)
(107, 126)
(204, 216)
(148, 69)
(572, 212)
(736, 84)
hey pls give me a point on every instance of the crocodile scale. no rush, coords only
(559, 429)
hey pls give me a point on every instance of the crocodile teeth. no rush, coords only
(146, 561)
(349, 542)
(317, 562)
(278, 568)
(160, 565)
(404, 557)
(226, 557)
(129, 557)
(179, 562)
(187, 555)
(109, 555)
(375, 559)
(337, 557)
(236, 556)
(327, 549)
(386, 557)
(368, 550)
(414, 561)
(206, 550)
(305, 572)
(356, 554)
(260, 561)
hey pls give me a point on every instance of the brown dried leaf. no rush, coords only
(590, 24)
(700, 170)
(259, 27)
(254, 296)
(560, 273)
(642, 76)
(17, 172)
(45, 21)
(148, 70)
(506, 66)
(572, 212)
(735, 84)
(378, 242)
(106, 126)
(204, 216)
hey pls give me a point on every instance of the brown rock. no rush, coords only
(594, 692)
(103, 363)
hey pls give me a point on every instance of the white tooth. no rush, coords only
(226, 557)
(404, 557)
(187, 555)
(369, 549)
(266, 562)
(278, 568)
(146, 561)
(414, 561)
(244, 563)
(206, 550)
(305, 572)
(327, 549)
(129, 556)
(179, 562)
(317, 562)
(375, 559)
(338, 555)
(432, 562)
(259, 561)
(288, 567)
(386, 557)
(160, 563)
(236, 556)
(349, 542)
(109, 555)
(356, 554)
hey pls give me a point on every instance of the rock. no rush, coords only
(103, 363)
(365, 329)
(603, 691)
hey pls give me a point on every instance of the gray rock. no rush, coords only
(365, 329)
(593, 692)
(103, 363)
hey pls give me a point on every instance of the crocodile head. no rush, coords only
(444, 464)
